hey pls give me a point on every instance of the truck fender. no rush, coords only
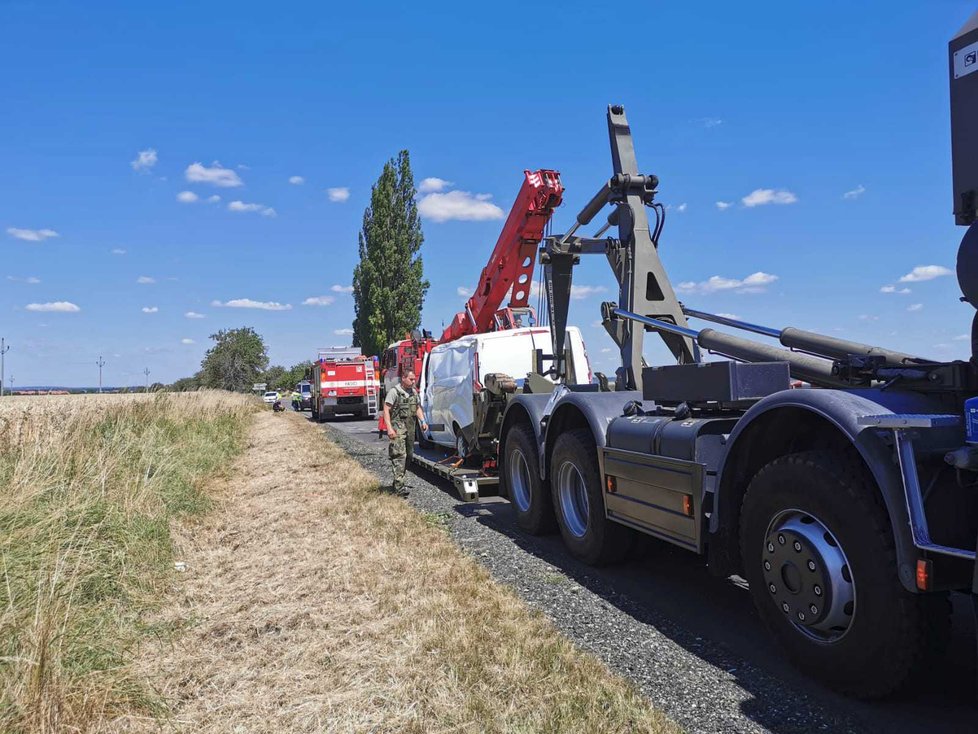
(820, 416)
(523, 410)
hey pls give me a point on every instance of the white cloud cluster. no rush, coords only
(53, 307)
(855, 193)
(915, 307)
(341, 288)
(186, 341)
(754, 283)
(893, 289)
(194, 315)
(681, 207)
(30, 279)
(31, 235)
(118, 251)
(145, 280)
(925, 272)
(724, 205)
(240, 206)
(431, 184)
(459, 205)
(760, 197)
(248, 303)
(343, 332)
(319, 301)
(463, 291)
(338, 194)
(580, 292)
(149, 309)
(296, 180)
(144, 161)
(187, 197)
(216, 175)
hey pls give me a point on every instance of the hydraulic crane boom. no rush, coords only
(511, 264)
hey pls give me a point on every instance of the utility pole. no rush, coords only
(4, 348)
(146, 372)
(101, 364)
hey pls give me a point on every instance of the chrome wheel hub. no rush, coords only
(519, 480)
(572, 493)
(807, 575)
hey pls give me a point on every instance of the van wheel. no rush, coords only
(462, 447)
(579, 505)
(819, 556)
(521, 482)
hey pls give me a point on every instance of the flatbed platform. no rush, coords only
(469, 481)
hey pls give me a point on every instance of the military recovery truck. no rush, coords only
(851, 507)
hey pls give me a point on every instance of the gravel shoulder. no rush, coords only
(692, 643)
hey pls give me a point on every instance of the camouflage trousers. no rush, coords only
(400, 451)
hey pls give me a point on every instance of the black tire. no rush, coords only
(527, 492)
(462, 448)
(597, 541)
(884, 632)
(423, 442)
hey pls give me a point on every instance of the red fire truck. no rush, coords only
(344, 381)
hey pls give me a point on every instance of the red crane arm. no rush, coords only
(512, 260)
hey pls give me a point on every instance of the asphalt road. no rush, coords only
(692, 643)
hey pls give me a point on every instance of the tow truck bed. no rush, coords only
(468, 481)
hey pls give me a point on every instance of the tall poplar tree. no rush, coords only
(388, 283)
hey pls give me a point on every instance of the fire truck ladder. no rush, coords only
(370, 376)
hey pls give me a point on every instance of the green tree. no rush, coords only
(236, 360)
(275, 377)
(388, 283)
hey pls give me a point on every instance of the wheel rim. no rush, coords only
(519, 480)
(574, 505)
(460, 446)
(808, 576)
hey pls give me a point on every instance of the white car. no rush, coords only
(270, 397)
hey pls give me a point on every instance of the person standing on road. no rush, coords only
(401, 409)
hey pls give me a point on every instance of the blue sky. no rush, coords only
(836, 113)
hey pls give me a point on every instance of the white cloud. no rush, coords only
(868, 317)
(754, 283)
(721, 205)
(729, 316)
(925, 272)
(194, 315)
(915, 307)
(709, 122)
(341, 288)
(855, 193)
(319, 301)
(55, 307)
(681, 208)
(145, 280)
(760, 197)
(187, 197)
(213, 199)
(118, 251)
(343, 332)
(962, 337)
(338, 193)
(31, 235)
(248, 303)
(431, 184)
(215, 175)
(186, 341)
(30, 280)
(150, 309)
(606, 350)
(296, 180)
(144, 161)
(463, 291)
(460, 205)
(580, 292)
(240, 206)
(893, 289)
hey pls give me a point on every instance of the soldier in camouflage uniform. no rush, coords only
(401, 409)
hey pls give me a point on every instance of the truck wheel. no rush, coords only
(579, 506)
(521, 482)
(819, 557)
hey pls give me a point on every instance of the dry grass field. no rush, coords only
(89, 486)
(314, 602)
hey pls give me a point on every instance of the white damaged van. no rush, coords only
(455, 372)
